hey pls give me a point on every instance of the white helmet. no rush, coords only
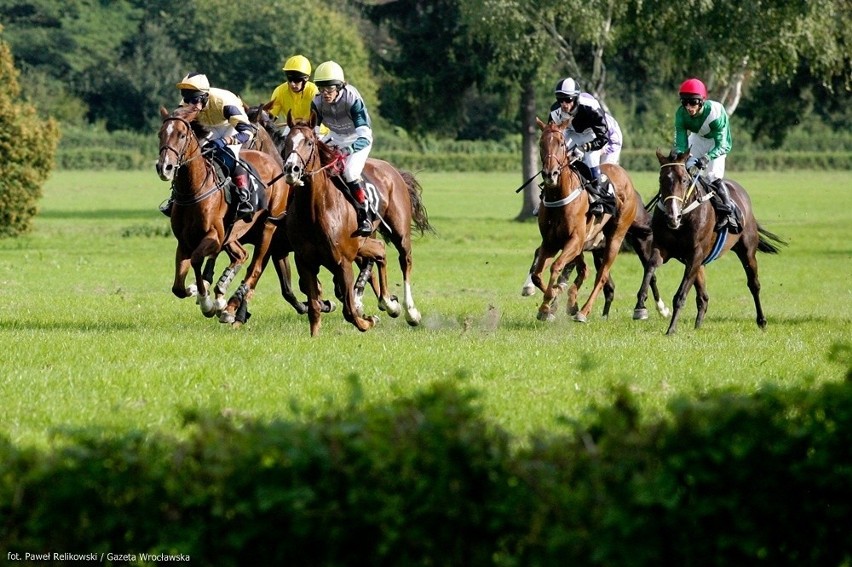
(567, 88)
(328, 74)
(194, 82)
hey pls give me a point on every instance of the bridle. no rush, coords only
(697, 201)
(562, 163)
(311, 157)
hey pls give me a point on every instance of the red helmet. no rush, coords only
(693, 87)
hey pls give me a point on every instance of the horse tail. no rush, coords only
(766, 240)
(419, 216)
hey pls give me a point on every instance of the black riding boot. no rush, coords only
(243, 194)
(724, 210)
(359, 194)
(605, 201)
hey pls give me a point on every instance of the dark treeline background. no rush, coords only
(448, 69)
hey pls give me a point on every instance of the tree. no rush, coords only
(27, 144)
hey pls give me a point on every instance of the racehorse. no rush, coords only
(683, 225)
(321, 225)
(565, 226)
(201, 216)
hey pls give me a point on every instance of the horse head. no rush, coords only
(553, 153)
(676, 186)
(301, 149)
(178, 141)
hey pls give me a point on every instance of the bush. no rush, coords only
(27, 144)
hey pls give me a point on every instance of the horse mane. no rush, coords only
(189, 114)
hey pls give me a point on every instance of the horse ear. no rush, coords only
(163, 112)
(289, 119)
(313, 121)
(268, 106)
(541, 125)
(663, 159)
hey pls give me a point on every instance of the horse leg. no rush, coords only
(181, 270)
(282, 268)
(701, 297)
(690, 271)
(603, 264)
(343, 281)
(365, 274)
(651, 260)
(749, 261)
(528, 288)
(208, 247)
(406, 264)
(309, 284)
(568, 254)
(372, 251)
(608, 287)
(574, 289)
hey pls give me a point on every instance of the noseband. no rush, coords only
(179, 155)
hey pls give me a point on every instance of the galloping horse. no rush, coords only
(683, 225)
(565, 226)
(200, 211)
(321, 225)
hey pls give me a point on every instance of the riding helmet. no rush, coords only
(567, 88)
(329, 74)
(298, 65)
(693, 87)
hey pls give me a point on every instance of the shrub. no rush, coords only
(27, 144)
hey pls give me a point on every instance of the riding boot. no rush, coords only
(604, 201)
(359, 194)
(724, 210)
(241, 188)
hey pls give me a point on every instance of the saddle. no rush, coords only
(257, 195)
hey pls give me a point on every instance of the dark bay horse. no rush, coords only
(566, 227)
(201, 215)
(683, 224)
(321, 225)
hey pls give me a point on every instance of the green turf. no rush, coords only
(92, 335)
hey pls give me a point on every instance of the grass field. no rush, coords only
(93, 337)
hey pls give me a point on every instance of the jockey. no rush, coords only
(295, 95)
(611, 153)
(701, 128)
(586, 136)
(222, 113)
(339, 106)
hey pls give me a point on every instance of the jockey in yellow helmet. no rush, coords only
(295, 94)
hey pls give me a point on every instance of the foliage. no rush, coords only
(27, 144)
(725, 480)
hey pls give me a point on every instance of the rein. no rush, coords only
(562, 164)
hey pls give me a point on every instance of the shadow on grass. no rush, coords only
(103, 214)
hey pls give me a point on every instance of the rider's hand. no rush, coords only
(694, 164)
(577, 154)
(214, 145)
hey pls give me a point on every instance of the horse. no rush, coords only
(566, 227)
(638, 239)
(201, 215)
(683, 226)
(321, 225)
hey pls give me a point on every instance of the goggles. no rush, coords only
(690, 101)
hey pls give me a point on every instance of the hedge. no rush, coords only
(728, 479)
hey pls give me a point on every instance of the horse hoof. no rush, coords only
(640, 314)
(549, 317)
(579, 317)
(192, 291)
(412, 317)
(527, 290)
(227, 318)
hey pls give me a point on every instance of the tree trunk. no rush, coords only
(529, 137)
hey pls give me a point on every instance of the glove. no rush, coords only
(577, 153)
(694, 164)
(214, 145)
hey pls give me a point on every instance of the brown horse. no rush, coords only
(321, 225)
(683, 225)
(201, 215)
(566, 227)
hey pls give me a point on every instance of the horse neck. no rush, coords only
(196, 172)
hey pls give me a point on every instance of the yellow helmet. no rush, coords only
(298, 64)
(194, 82)
(328, 74)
